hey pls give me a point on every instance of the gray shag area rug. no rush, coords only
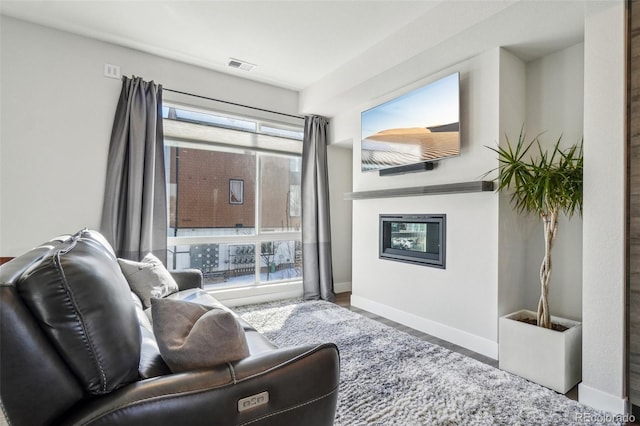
(389, 377)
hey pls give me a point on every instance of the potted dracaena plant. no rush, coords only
(545, 183)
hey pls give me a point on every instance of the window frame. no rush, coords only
(238, 140)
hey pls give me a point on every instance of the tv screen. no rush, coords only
(419, 126)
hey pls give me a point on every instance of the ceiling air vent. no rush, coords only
(236, 63)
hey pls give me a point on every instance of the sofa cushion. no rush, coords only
(148, 278)
(192, 336)
(151, 362)
(83, 303)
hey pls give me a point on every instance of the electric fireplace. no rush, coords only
(418, 239)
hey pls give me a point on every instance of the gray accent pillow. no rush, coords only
(148, 278)
(191, 336)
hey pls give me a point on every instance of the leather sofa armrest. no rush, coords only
(288, 386)
(188, 278)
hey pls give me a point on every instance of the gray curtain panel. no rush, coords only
(134, 213)
(316, 227)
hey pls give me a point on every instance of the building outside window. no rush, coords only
(233, 196)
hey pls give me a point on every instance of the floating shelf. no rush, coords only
(450, 188)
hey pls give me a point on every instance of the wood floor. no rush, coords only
(344, 300)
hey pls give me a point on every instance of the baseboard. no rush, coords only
(601, 400)
(459, 337)
(342, 287)
(257, 294)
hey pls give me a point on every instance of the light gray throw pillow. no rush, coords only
(148, 278)
(192, 336)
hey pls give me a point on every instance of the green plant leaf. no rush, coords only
(550, 181)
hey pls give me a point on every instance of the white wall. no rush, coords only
(512, 226)
(340, 182)
(547, 93)
(57, 111)
(555, 105)
(603, 267)
(458, 303)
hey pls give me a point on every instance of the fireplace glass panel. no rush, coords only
(413, 238)
(419, 237)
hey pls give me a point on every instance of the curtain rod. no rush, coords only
(233, 103)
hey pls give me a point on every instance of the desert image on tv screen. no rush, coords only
(422, 125)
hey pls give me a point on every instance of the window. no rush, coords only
(234, 197)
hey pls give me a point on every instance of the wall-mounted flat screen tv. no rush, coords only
(420, 126)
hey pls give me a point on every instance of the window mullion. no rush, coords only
(212, 239)
(258, 190)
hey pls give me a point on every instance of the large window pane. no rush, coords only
(208, 119)
(219, 263)
(280, 260)
(211, 192)
(280, 208)
(235, 263)
(280, 131)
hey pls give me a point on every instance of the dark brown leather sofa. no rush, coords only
(77, 349)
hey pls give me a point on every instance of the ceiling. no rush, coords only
(293, 43)
(327, 50)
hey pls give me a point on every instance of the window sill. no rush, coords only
(257, 293)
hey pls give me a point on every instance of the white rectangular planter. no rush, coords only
(550, 358)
